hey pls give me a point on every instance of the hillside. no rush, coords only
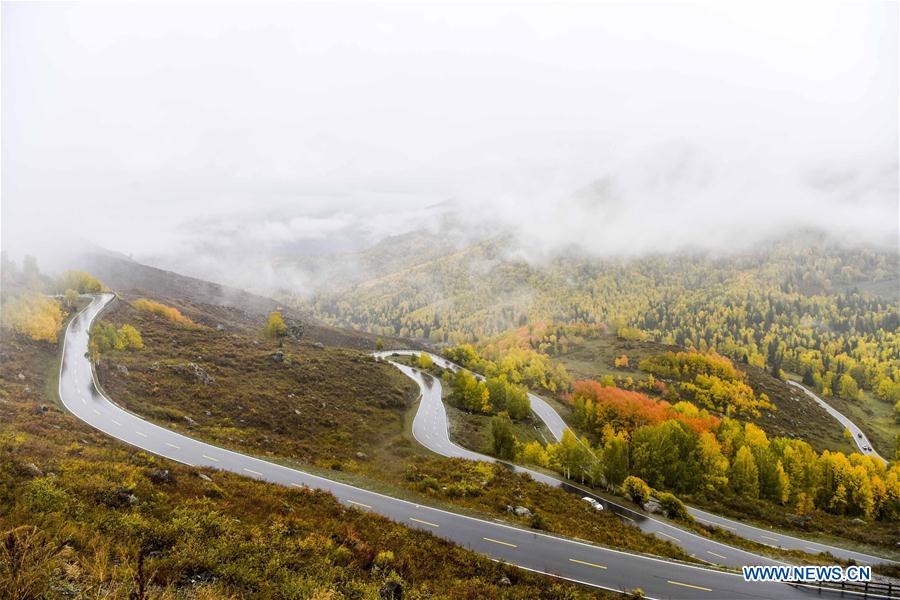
(594, 358)
(805, 306)
(335, 411)
(214, 304)
(85, 515)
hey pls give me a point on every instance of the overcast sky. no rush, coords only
(158, 128)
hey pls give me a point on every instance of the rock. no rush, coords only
(504, 581)
(278, 356)
(44, 408)
(196, 370)
(653, 506)
(857, 521)
(392, 590)
(521, 511)
(204, 477)
(21, 377)
(122, 369)
(799, 520)
(33, 470)
(161, 476)
(319, 345)
(361, 455)
(132, 499)
(190, 421)
(220, 327)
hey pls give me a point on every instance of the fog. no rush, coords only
(222, 139)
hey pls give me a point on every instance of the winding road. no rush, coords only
(859, 438)
(432, 431)
(556, 556)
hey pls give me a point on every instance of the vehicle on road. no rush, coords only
(593, 502)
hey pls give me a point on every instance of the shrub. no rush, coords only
(167, 312)
(81, 282)
(673, 507)
(636, 489)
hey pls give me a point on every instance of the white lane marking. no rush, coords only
(668, 536)
(210, 458)
(358, 503)
(429, 523)
(253, 472)
(719, 555)
(171, 445)
(114, 422)
(769, 538)
(141, 433)
(96, 412)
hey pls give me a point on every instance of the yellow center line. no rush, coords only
(171, 445)
(210, 458)
(252, 471)
(719, 555)
(141, 433)
(581, 562)
(487, 539)
(425, 522)
(359, 503)
(687, 585)
(669, 536)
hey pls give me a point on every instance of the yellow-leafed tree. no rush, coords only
(36, 316)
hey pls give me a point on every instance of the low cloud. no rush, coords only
(226, 141)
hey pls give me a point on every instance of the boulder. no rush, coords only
(521, 511)
(161, 476)
(123, 370)
(799, 520)
(204, 476)
(278, 356)
(361, 456)
(33, 470)
(653, 506)
(21, 377)
(504, 581)
(857, 521)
